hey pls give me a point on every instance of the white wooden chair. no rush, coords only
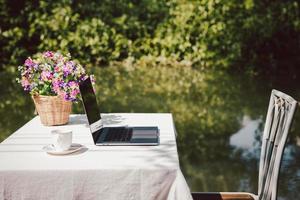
(278, 122)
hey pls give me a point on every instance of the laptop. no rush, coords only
(121, 135)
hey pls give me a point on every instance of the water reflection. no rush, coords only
(245, 138)
(219, 120)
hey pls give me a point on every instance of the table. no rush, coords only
(96, 172)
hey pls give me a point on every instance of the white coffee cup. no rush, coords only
(62, 139)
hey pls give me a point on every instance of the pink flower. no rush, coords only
(55, 84)
(74, 93)
(56, 68)
(29, 62)
(25, 82)
(48, 54)
(46, 75)
(62, 94)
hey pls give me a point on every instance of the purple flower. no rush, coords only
(35, 66)
(62, 84)
(73, 84)
(83, 77)
(67, 68)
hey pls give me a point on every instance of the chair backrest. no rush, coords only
(278, 122)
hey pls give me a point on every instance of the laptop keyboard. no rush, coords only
(118, 134)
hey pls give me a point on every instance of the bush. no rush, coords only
(256, 36)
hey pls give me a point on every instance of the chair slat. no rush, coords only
(269, 145)
(269, 121)
(281, 145)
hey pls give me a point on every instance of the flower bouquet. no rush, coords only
(52, 79)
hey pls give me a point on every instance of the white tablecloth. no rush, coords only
(96, 172)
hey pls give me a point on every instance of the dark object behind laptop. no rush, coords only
(122, 135)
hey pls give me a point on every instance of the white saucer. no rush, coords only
(50, 149)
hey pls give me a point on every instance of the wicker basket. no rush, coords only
(52, 109)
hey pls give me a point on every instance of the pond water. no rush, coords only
(219, 119)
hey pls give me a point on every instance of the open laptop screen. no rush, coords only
(90, 104)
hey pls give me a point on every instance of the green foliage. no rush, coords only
(257, 36)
